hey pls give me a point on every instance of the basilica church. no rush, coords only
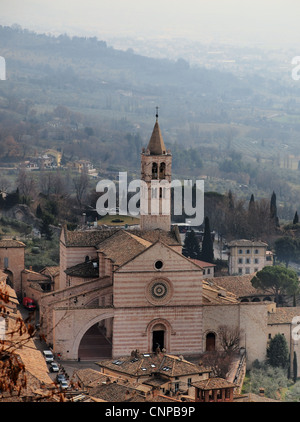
(126, 289)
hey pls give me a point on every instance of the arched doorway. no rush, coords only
(210, 342)
(158, 337)
(96, 343)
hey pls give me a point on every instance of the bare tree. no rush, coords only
(219, 362)
(229, 338)
(81, 184)
(26, 184)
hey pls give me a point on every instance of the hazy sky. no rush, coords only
(242, 21)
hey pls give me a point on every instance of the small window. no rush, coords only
(248, 251)
(240, 270)
(208, 271)
(256, 260)
(256, 251)
(247, 270)
(247, 260)
(158, 265)
(240, 251)
(240, 260)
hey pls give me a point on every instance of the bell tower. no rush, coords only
(155, 197)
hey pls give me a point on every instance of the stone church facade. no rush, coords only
(122, 290)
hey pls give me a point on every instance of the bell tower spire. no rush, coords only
(156, 163)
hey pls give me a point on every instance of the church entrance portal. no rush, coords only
(97, 341)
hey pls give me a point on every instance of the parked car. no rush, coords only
(60, 377)
(64, 384)
(54, 367)
(48, 356)
(29, 304)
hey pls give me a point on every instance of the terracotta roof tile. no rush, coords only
(11, 243)
(146, 364)
(122, 246)
(213, 384)
(240, 285)
(88, 269)
(283, 315)
(246, 242)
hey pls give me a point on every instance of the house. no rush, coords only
(207, 267)
(214, 390)
(161, 372)
(247, 256)
(12, 262)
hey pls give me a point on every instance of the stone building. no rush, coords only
(248, 256)
(12, 262)
(122, 290)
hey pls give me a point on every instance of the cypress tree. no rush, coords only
(277, 352)
(191, 248)
(251, 203)
(207, 253)
(295, 367)
(296, 218)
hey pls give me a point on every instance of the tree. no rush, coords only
(39, 211)
(229, 338)
(296, 218)
(276, 280)
(251, 203)
(207, 253)
(45, 228)
(295, 367)
(285, 249)
(81, 184)
(273, 209)
(191, 248)
(278, 352)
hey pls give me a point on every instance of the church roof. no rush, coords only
(239, 285)
(122, 246)
(87, 269)
(156, 144)
(93, 238)
(86, 238)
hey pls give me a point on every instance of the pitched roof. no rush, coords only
(240, 285)
(247, 242)
(213, 384)
(283, 315)
(11, 243)
(156, 145)
(122, 247)
(84, 269)
(202, 264)
(93, 238)
(146, 364)
(86, 238)
(213, 294)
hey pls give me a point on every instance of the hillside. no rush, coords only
(93, 102)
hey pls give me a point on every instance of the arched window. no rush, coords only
(162, 171)
(154, 171)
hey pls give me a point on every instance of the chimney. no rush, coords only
(262, 392)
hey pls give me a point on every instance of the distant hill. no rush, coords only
(95, 102)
